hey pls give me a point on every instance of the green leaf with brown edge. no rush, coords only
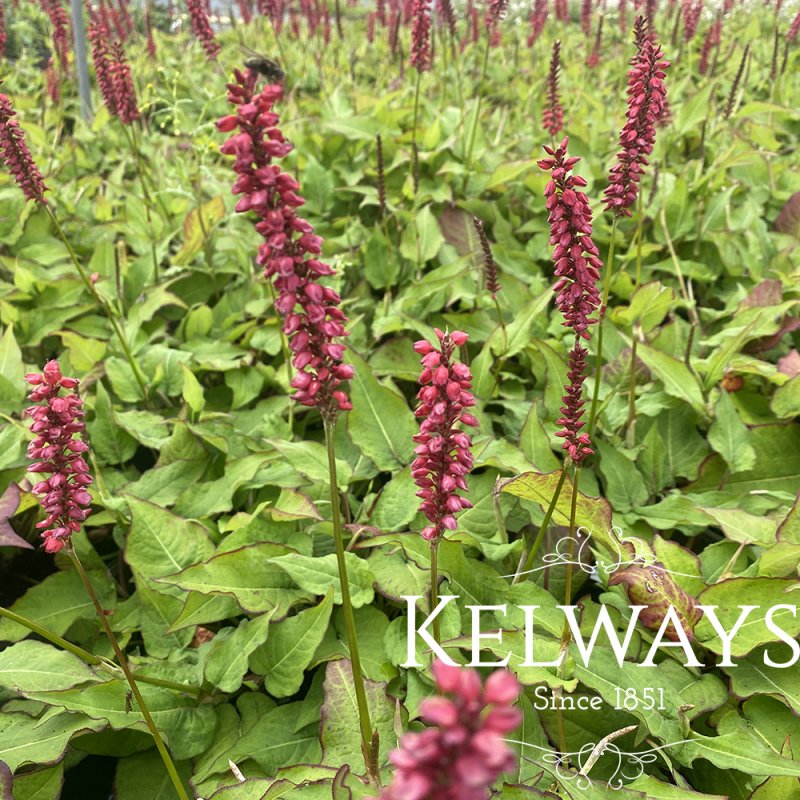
(33, 665)
(73, 603)
(648, 583)
(737, 751)
(25, 739)
(247, 574)
(751, 676)
(789, 528)
(288, 650)
(592, 513)
(728, 595)
(189, 727)
(41, 784)
(340, 732)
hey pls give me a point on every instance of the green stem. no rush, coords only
(123, 662)
(566, 636)
(414, 154)
(109, 311)
(86, 656)
(629, 436)
(476, 114)
(437, 635)
(601, 325)
(370, 757)
(525, 567)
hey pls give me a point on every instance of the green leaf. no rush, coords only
(625, 487)
(728, 595)
(594, 514)
(737, 751)
(229, 651)
(380, 424)
(32, 665)
(143, 776)
(786, 400)
(675, 375)
(290, 647)
(509, 172)
(752, 676)
(73, 603)
(317, 575)
(26, 739)
(12, 371)
(276, 740)
(195, 229)
(192, 390)
(340, 731)
(42, 784)
(422, 239)
(655, 789)
(247, 574)
(189, 727)
(730, 437)
(110, 443)
(162, 543)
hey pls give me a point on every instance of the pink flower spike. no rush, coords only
(56, 420)
(443, 457)
(312, 315)
(462, 756)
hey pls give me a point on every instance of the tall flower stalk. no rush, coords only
(313, 320)
(421, 58)
(58, 450)
(201, 27)
(443, 458)
(577, 270)
(647, 96)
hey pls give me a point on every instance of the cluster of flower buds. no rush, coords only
(15, 155)
(553, 115)
(57, 419)
(537, 20)
(691, 10)
(577, 267)
(443, 458)
(464, 752)
(59, 22)
(312, 317)
(421, 57)
(201, 27)
(576, 258)
(647, 98)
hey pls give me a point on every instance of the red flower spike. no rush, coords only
(647, 106)
(421, 57)
(443, 457)
(16, 157)
(312, 317)
(57, 419)
(553, 115)
(463, 752)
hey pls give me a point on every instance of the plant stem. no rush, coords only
(601, 324)
(629, 436)
(437, 637)
(93, 291)
(525, 567)
(414, 153)
(86, 656)
(476, 115)
(123, 662)
(370, 757)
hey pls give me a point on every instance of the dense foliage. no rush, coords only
(210, 543)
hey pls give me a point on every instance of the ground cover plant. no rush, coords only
(327, 317)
